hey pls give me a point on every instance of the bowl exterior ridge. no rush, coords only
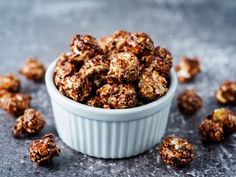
(106, 139)
(109, 134)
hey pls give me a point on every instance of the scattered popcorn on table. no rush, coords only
(10, 82)
(176, 151)
(31, 122)
(42, 151)
(227, 92)
(33, 70)
(14, 103)
(216, 126)
(188, 69)
(189, 102)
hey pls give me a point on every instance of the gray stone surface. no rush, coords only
(205, 28)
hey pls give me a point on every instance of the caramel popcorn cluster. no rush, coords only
(10, 82)
(227, 92)
(188, 69)
(42, 151)
(220, 123)
(152, 85)
(140, 44)
(115, 72)
(189, 102)
(33, 70)
(118, 96)
(14, 103)
(162, 66)
(176, 151)
(83, 48)
(115, 43)
(31, 122)
(124, 67)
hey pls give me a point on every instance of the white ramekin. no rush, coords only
(108, 133)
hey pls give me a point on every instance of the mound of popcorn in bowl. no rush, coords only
(120, 71)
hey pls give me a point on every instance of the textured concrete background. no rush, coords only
(205, 28)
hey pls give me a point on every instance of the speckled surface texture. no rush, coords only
(205, 28)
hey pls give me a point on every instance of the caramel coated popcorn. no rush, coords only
(33, 70)
(106, 44)
(77, 87)
(227, 92)
(176, 151)
(140, 44)
(217, 125)
(64, 68)
(14, 103)
(211, 131)
(96, 67)
(165, 55)
(97, 101)
(84, 47)
(124, 66)
(42, 151)
(120, 71)
(152, 85)
(10, 82)
(189, 102)
(153, 62)
(118, 96)
(115, 43)
(31, 122)
(188, 69)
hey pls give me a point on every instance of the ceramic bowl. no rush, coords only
(109, 133)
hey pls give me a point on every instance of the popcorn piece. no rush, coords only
(187, 69)
(119, 39)
(64, 68)
(117, 42)
(84, 47)
(152, 85)
(33, 70)
(42, 151)
(124, 66)
(118, 96)
(32, 122)
(217, 125)
(140, 44)
(153, 62)
(226, 117)
(64, 65)
(14, 103)
(227, 92)
(95, 70)
(76, 87)
(176, 151)
(96, 102)
(106, 44)
(211, 131)
(10, 82)
(96, 67)
(189, 102)
(164, 54)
